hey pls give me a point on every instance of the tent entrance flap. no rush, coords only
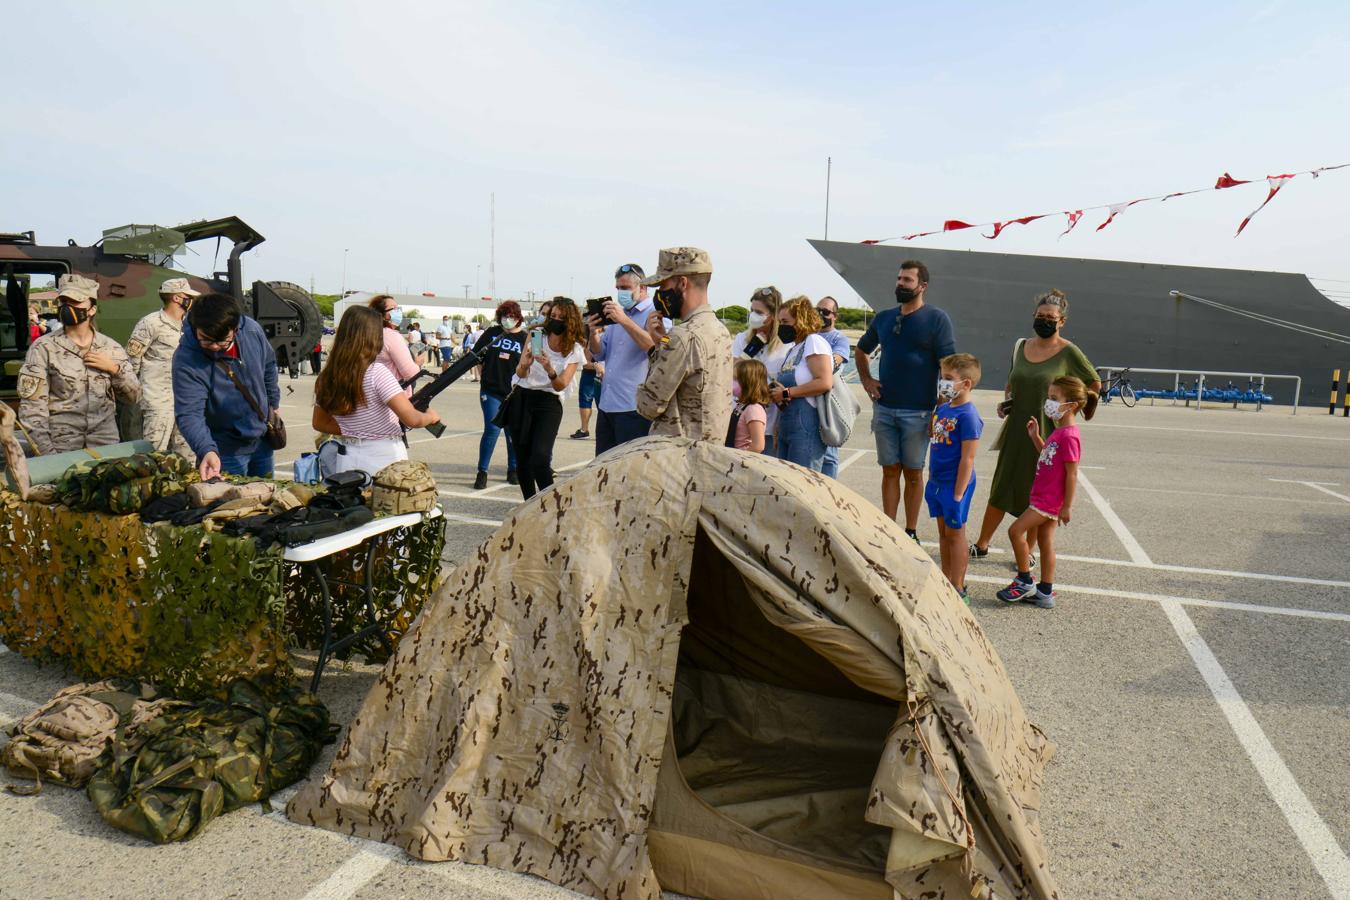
(776, 744)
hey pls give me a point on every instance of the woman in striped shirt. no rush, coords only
(360, 401)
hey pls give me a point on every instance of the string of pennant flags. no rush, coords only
(1114, 210)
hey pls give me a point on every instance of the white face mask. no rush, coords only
(756, 320)
(947, 389)
(1053, 409)
(509, 323)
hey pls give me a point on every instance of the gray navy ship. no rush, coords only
(1123, 314)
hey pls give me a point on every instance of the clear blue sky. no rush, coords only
(609, 131)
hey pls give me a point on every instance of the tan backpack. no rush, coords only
(62, 740)
(403, 487)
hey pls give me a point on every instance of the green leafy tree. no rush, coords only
(733, 314)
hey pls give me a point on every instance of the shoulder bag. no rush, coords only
(276, 429)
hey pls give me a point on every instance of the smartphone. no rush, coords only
(1006, 407)
(537, 342)
(596, 307)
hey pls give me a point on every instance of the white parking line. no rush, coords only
(1317, 487)
(1292, 481)
(1132, 546)
(1260, 498)
(857, 455)
(1317, 840)
(353, 874)
(473, 520)
(1212, 431)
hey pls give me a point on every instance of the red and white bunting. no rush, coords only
(1224, 181)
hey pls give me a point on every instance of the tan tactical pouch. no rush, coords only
(403, 487)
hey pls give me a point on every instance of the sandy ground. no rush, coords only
(1194, 676)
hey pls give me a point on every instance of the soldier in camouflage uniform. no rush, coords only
(688, 386)
(153, 341)
(70, 382)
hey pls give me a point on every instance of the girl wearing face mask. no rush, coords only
(542, 381)
(504, 341)
(1052, 491)
(396, 355)
(1036, 362)
(761, 341)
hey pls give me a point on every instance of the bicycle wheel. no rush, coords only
(1127, 394)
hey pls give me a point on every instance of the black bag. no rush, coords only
(731, 426)
(276, 429)
(509, 412)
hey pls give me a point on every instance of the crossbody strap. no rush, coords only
(234, 379)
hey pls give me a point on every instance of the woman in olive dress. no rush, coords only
(1037, 361)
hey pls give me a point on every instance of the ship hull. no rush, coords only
(1120, 313)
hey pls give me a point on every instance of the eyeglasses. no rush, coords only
(216, 345)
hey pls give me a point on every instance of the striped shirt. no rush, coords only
(374, 418)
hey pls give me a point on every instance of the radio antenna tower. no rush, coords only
(492, 257)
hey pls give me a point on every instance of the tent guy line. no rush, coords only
(1312, 832)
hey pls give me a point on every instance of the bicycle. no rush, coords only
(1121, 386)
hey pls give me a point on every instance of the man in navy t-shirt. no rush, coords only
(913, 337)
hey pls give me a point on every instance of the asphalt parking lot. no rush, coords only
(1195, 675)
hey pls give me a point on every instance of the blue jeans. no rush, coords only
(255, 461)
(902, 435)
(830, 469)
(488, 442)
(799, 435)
(615, 428)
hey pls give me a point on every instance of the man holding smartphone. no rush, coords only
(622, 349)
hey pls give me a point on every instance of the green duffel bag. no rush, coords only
(215, 756)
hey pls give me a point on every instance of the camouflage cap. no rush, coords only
(178, 286)
(77, 287)
(680, 261)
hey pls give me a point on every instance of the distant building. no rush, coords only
(429, 310)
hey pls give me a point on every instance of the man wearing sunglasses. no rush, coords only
(828, 310)
(913, 337)
(213, 410)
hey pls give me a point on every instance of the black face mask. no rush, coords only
(1044, 327)
(555, 326)
(905, 295)
(787, 334)
(71, 316)
(670, 302)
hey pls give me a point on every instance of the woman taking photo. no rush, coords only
(506, 339)
(359, 400)
(806, 373)
(541, 382)
(1037, 361)
(761, 341)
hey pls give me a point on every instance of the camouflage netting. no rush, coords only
(405, 568)
(186, 608)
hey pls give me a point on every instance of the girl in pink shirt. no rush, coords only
(1052, 492)
(750, 387)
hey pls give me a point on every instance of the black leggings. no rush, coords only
(534, 439)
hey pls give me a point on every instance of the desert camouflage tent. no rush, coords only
(703, 670)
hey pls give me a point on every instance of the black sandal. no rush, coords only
(977, 553)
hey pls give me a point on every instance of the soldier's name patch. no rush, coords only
(28, 386)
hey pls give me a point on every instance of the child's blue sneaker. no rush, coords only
(1017, 591)
(1044, 600)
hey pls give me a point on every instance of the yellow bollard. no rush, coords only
(1335, 386)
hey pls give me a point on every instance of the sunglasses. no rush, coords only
(629, 269)
(764, 292)
(825, 313)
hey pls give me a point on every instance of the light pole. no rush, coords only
(477, 291)
(344, 273)
(466, 291)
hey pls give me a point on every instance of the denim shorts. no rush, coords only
(589, 389)
(902, 435)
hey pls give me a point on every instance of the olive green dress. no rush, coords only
(1029, 383)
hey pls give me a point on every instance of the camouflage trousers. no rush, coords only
(159, 428)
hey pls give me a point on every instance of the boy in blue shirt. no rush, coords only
(955, 438)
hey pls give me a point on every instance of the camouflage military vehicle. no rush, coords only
(129, 264)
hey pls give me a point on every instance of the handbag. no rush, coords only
(276, 428)
(837, 409)
(506, 411)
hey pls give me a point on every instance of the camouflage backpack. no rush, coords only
(196, 762)
(403, 487)
(62, 740)
(123, 484)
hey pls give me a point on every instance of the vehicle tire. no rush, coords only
(1127, 395)
(310, 317)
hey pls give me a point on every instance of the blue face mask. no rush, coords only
(396, 317)
(626, 299)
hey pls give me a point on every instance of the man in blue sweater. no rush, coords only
(213, 414)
